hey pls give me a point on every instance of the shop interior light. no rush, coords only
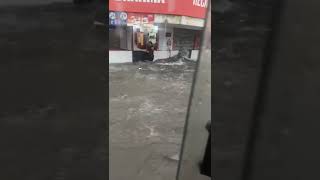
(156, 28)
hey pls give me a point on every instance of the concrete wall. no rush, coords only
(120, 56)
(194, 55)
(163, 29)
(126, 56)
(179, 20)
(163, 54)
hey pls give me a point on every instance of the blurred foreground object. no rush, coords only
(199, 113)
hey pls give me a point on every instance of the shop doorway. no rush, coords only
(119, 38)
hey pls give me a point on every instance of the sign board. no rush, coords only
(192, 8)
(118, 18)
(139, 18)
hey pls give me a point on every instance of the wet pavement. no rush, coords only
(53, 89)
(148, 104)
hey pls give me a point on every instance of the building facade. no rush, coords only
(169, 25)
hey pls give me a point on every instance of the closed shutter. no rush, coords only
(184, 38)
(114, 39)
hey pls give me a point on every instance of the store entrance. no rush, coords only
(119, 38)
(145, 42)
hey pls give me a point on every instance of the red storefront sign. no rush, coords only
(138, 18)
(192, 8)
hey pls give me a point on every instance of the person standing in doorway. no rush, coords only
(150, 50)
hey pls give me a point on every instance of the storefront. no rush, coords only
(168, 25)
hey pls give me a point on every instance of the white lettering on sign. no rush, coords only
(143, 1)
(200, 3)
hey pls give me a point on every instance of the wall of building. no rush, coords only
(179, 20)
(164, 54)
(190, 21)
(163, 29)
(120, 56)
(126, 56)
(182, 36)
(194, 55)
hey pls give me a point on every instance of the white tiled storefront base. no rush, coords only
(126, 56)
(194, 55)
(120, 56)
(163, 54)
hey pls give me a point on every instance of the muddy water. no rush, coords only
(148, 104)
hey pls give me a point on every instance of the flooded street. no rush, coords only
(148, 105)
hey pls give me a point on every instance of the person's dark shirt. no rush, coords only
(150, 48)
